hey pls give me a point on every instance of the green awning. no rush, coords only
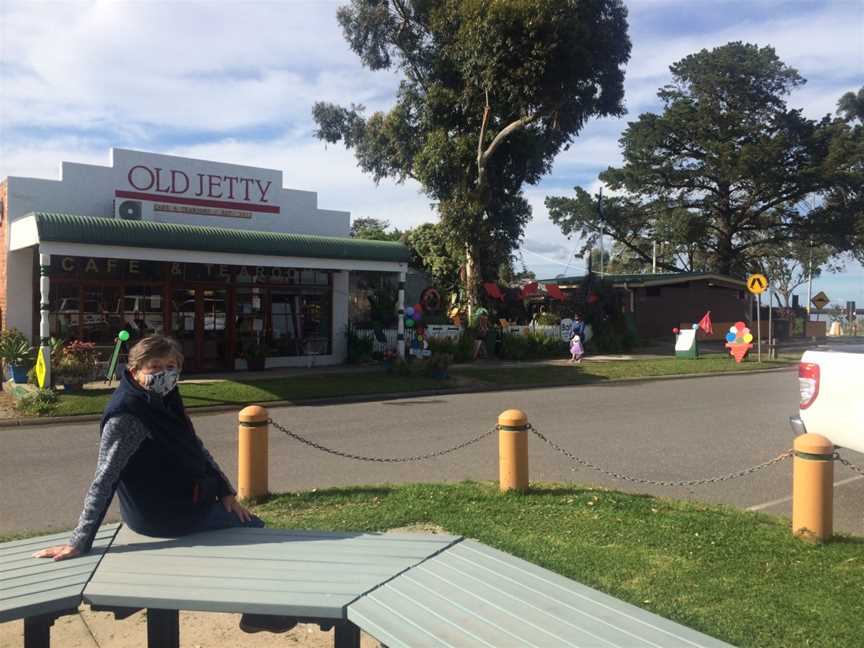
(94, 230)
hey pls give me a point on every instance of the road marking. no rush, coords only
(759, 507)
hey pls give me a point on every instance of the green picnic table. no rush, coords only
(406, 590)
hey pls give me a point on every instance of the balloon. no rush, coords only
(748, 337)
(417, 316)
(730, 337)
(675, 330)
(740, 325)
(123, 336)
(695, 326)
(418, 308)
(409, 311)
(409, 322)
(732, 329)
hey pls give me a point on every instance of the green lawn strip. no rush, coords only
(589, 372)
(242, 392)
(737, 576)
(734, 575)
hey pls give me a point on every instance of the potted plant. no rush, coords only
(17, 355)
(255, 354)
(75, 365)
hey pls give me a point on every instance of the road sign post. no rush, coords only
(759, 327)
(757, 284)
(770, 332)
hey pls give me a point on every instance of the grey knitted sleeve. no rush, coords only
(121, 437)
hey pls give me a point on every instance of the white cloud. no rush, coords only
(76, 78)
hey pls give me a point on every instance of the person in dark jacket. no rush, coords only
(167, 482)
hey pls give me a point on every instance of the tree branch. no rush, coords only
(486, 111)
(504, 133)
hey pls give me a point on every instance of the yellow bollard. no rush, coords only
(813, 488)
(253, 451)
(513, 451)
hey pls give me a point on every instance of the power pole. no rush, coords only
(654, 257)
(809, 280)
(600, 215)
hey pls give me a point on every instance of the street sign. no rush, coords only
(820, 300)
(40, 367)
(757, 283)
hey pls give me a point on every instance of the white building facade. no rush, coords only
(219, 256)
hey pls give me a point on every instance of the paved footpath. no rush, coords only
(664, 429)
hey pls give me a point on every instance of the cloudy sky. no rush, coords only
(235, 81)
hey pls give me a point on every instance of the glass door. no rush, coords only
(214, 346)
(183, 325)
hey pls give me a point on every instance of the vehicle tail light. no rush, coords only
(808, 383)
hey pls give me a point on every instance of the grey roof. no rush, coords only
(652, 278)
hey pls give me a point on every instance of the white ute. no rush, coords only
(832, 396)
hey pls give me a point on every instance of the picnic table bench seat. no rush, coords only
(406, 590)
(39, 590)
(472, 595)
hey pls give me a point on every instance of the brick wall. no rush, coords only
(4, 241)
(658, 312)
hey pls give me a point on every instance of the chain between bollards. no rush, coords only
(349, 455)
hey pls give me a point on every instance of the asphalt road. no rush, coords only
(664, 430)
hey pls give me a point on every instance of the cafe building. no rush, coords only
(219, 256)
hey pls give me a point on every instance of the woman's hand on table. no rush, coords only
(231, 505)
(58, 553)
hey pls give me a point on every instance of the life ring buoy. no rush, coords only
(430, 299)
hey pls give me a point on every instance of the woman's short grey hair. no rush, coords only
(154, 346)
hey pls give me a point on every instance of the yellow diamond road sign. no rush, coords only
(820, 300)
(40, 367)
(757, 283)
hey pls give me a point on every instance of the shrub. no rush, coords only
(461, 349)
(39, 403)
(547, 319)
(77, 363)
(15, 349)
(434, 366)
(360, 347)
(532, 347)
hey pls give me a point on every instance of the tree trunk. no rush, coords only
(471, 279)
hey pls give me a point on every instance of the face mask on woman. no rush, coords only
(162, 382)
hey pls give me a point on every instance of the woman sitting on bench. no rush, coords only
(169, 484)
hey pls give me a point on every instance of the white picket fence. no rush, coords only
(445, 331)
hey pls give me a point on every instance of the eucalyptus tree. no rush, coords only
(490, 92)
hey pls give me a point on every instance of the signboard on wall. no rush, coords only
(176, 185)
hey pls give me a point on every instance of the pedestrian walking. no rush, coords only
(577, 334)
(481, 333)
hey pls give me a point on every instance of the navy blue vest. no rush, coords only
(157, 486)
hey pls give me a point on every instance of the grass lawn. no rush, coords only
(737, 576)
(589, 372)
(734, 575)
(243, 392)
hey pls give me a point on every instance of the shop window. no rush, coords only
(142, 311)
(248, 317)
(65, 311)
(183, 320)
(299, 322)
(101, 315)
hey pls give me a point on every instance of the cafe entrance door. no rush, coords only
(199, 322)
